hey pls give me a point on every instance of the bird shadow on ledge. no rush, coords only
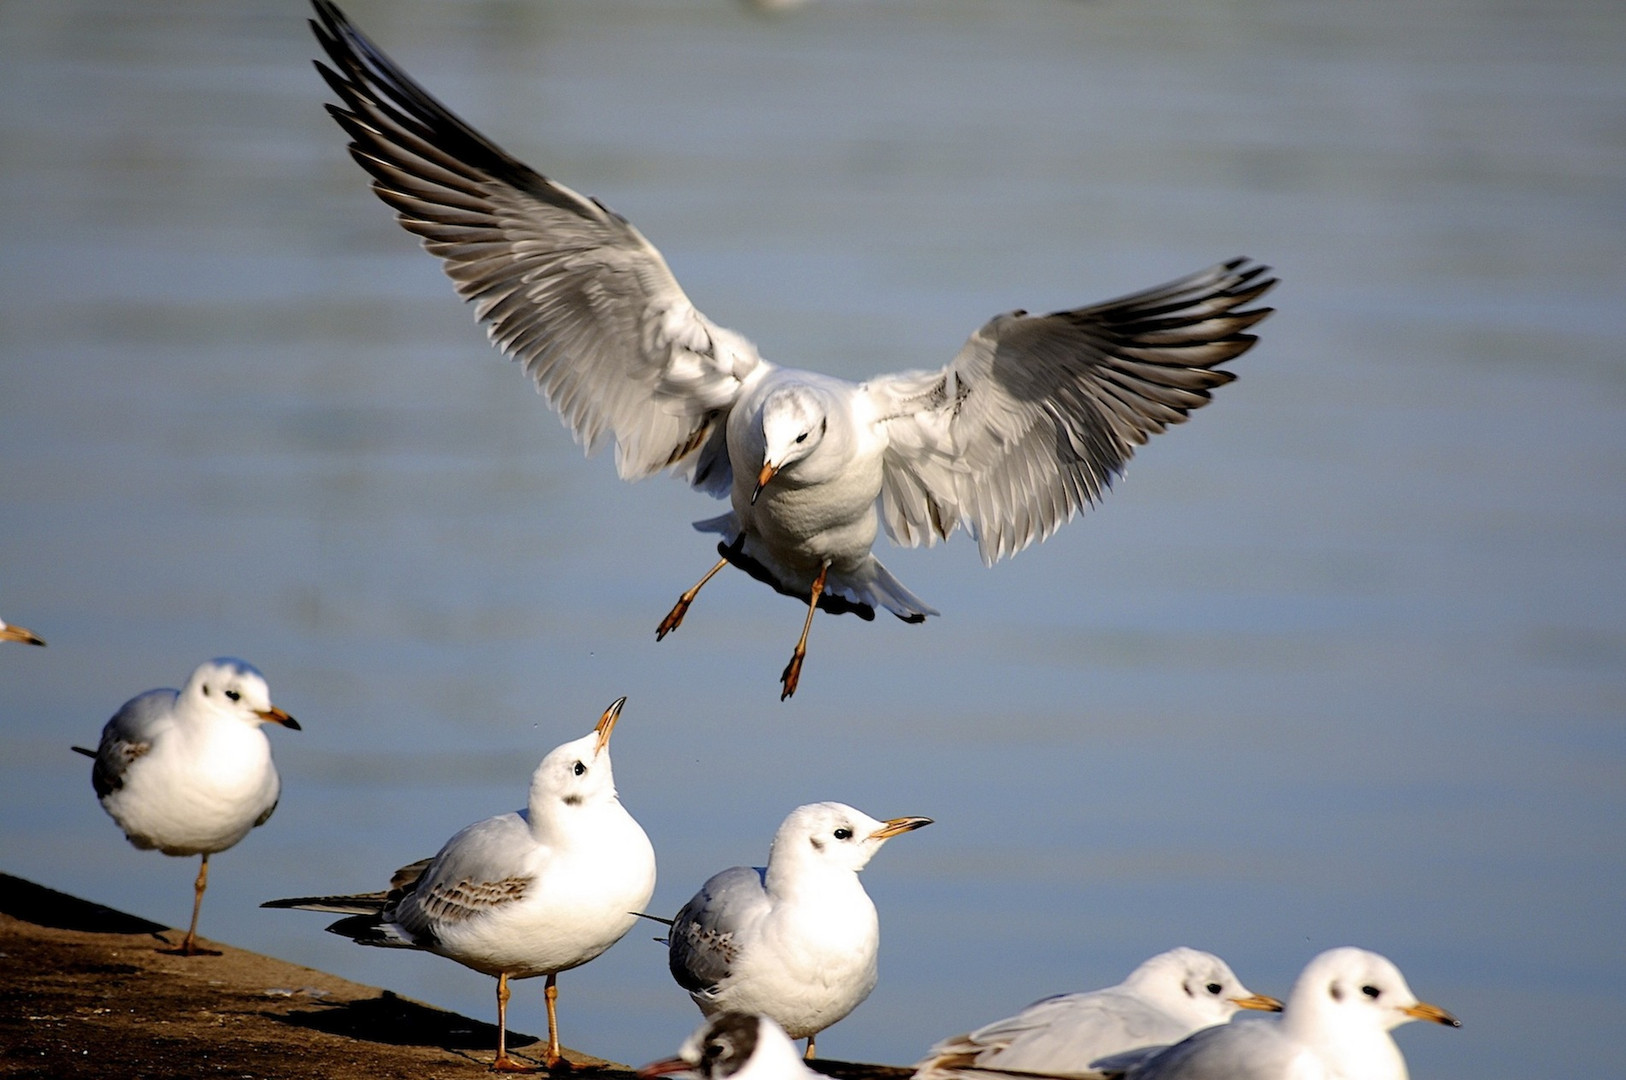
(25, 901)
(389, 1018)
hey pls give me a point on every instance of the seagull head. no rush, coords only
(229, 688)
(794, 422)
(1196, 986)
(1351, 992)
(730, 1044)
(577, 774)
(832, 835)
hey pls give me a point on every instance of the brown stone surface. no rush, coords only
(86, 992)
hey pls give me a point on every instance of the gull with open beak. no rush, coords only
(1162, 1001)
(1335, 1025)
(796, 940)
(1025, 428)
(189, 771)
(533, 892)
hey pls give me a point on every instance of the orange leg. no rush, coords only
(504, 1063)
(674, 618)
(555, 1056)
(793, 670)
(189, 945)
(809, 1055)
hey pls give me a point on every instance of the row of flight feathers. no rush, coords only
(1026, 427)
(768, 953)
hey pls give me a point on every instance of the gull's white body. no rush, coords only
(796, 941)
(189, 771)
(1162, 1001)
(822, 508)
(1331, 1028)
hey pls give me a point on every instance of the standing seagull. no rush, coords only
(1162, 1001)
(533, 892)
(795, 940)
(1335, 1025)
(735, 1046)
(18, 633)
(189, 771)
(1026, 427)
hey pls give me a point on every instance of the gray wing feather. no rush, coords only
(462, 881)
(703, 949)
(1037, 414)
(128, 736)
(563, 284)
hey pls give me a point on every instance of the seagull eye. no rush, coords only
(579, 769)
(1215, 988)
(802, 437)
(1372, 992)
(844, 833)
(234, 695)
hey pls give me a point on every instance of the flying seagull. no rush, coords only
(1026, 426)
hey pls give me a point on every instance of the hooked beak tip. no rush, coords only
(275, 715)
(606, 724)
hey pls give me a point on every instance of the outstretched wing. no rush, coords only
(1037, 414)
(563, 284)
(703, 939)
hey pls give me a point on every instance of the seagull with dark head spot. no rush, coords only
(796, 940)
(1335, 1026)
(1023, 429)
(189, 771)
(1162, 1001)
(533, 892)
(734, 1046)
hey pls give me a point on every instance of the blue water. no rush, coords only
(1341, 661)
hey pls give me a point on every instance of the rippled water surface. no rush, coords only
(1341, 661)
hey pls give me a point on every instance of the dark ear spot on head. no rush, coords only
(1187, 988)
(818, 845)
(205, 689)
(1336, 991)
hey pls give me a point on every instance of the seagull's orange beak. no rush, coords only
(1424, 1011)
(763, 477)
(18, 633)
(894, 826)
(1262, 1002)
(275, 715)
(606, 724)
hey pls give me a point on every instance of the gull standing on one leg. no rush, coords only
(189, 771)
(533, 892)
(1027, 426)
(796, 940)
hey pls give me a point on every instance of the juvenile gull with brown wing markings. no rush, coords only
(1026, 426)
(533, 892)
